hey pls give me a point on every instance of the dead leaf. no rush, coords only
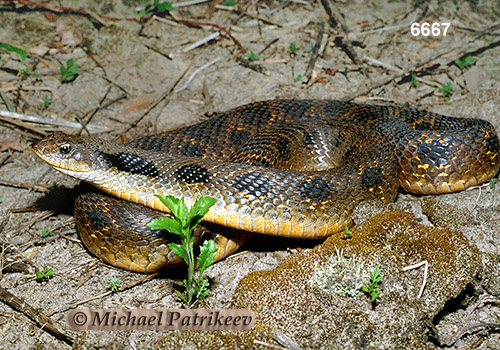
(320, 80)
(49, 16)
(330, 71)
(67, 37)
(137, 103)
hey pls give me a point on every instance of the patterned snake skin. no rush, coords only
(292, 168)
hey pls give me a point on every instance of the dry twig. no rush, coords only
(41, 319)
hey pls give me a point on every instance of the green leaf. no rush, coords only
(115, 282)
(46, 101)
(252, 56)
(469, 61)
(199, 210)
(69, 72)
(179, 294)
(166, 223)
(466, 62)
(374, 294)
(414, 79)
(180, 250)
(293, 47)
(16, 50)
(201, 289)
(46, 233)
(492, 184)
(446, 89)
(229, 3)
(164, 6)
(207, 255)
(176, 206)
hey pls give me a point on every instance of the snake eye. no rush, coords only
(65, 149)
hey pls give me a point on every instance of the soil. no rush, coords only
(136, 79)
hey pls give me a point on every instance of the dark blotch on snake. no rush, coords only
(316, 190)
(492, 143)
(131, 163)
(237, 137)
(283, 146)
(372, 177)
(252, 183)
(192, 173)
(190, 149)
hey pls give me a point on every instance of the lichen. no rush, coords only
(342, 275)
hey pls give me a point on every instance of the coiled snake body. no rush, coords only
(292, 168)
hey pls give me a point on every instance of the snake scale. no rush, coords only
(293, 168)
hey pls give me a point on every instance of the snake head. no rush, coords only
(65, 153)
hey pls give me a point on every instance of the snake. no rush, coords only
(291, 168)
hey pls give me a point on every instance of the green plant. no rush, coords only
(446, 90)
(45, 274)
(252, 56)
(298, 77)
(375, 279)
(46, 233)
(466, 62)
(69, 72)
(347, 233)
(16, 50)
(492, 183)
(229, 3)
(46, 101)
(115, 283)
(157, 6)
(183, 223)
(414, 79)
(293, 47)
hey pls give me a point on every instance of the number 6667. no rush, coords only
(426, 29)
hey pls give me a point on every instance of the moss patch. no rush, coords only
(442, 214)
(217, 339)
(285, 300)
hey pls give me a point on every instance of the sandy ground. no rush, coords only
(138, 79)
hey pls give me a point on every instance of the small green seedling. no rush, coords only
(414, 79)
(293, 48)
(183, 223)
(229, 3)
(47, 100)
(157, 7)
(69, 72)
(466, 62)
(252, 56)
(45, 274)
(372, 289)
(298, 77)
(115, 283)
(446, 90)
(492, 183)
(46, 233)
(347, 233)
